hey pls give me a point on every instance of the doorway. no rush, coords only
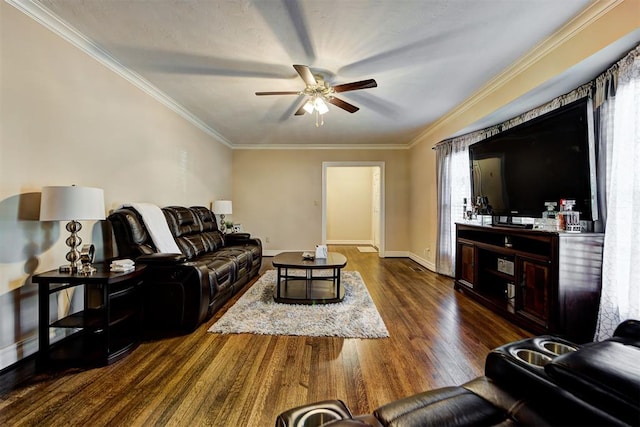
(374, 188)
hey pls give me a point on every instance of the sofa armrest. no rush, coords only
(176, 294)
(604, 374)
(162, 258)
(628, 329)
(441, 407)
(236, 238)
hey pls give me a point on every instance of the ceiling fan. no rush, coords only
(320, 92)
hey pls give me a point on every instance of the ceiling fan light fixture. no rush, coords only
(320, 106)
(319, 93)
(308, 107)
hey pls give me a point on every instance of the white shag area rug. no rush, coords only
(257, 313)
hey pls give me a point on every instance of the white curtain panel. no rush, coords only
(620, 138)
(454, 186)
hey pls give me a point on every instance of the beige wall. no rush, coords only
(597, 28)
(279, 195)
(66, 119)
(349, 205)
(423, 213)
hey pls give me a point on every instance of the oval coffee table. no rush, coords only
(299, 281)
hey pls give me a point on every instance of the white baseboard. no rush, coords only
(274, 252)
(351, 242)
(423, 262)
(396, 254)
(18, 351)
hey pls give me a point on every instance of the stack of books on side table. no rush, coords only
(122, 265)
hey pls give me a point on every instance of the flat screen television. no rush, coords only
(546, 159)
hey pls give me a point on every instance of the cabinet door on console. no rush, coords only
(466, 256)
(534, 289)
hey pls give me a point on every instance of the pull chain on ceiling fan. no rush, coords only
(319, 93)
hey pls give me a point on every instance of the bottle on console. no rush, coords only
(569, 219)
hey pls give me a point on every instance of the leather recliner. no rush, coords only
(594, 384)
(183, 290)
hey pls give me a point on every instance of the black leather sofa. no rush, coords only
(538, 381)
(183, 290)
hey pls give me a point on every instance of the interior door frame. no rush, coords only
(325, 166)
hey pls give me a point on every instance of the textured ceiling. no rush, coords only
(427, 57)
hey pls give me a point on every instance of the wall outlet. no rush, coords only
(267, 239)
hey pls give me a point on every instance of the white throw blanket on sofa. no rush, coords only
(157, 226)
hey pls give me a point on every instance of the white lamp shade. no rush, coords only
(71, 203)
(222, 207)
(308, 107)
(321, 107)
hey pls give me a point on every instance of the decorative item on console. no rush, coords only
(569, 219)
(550, 220)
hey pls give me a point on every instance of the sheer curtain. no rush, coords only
(454, 185)
(619, 152)
(452, 158)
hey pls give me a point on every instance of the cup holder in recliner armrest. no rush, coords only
(531, 357)
(522, 368)
(522, 363)
(534, 353)
(556, 347)
(314, 414)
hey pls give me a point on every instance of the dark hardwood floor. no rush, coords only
(438, 337)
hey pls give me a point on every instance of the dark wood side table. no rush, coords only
(107, 328)
(293, 288)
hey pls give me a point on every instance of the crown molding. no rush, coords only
(58, 26)
(319, 147)
(592, 13)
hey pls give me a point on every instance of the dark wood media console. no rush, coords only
(546, 282)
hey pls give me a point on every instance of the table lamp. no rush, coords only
(222, 208)
(73, 204)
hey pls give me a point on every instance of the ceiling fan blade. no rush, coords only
(300, 111)
(342, 104)
(277, 93)
(364, 84)
(306, 75)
